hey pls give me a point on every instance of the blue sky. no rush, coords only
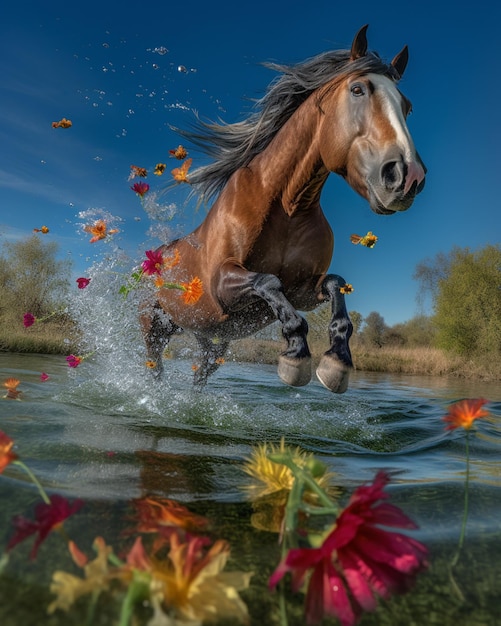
(115, 74)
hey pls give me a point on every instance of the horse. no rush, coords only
(264, 247)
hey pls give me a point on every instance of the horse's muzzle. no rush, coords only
(395, 186)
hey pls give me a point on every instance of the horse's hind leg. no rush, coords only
(212, 357)
(335, 365)
(157, 328)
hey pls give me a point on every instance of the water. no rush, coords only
(107, 433)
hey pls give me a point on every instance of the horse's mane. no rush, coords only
(233, 146)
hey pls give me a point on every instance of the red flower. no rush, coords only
(140, 188)
(73, 361)
(462, 414)
(28, 320)
(83, 282)
(358, 560)
(44, 377)
(6, 454)
(154, 262)
(47, 517)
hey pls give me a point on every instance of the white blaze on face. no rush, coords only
(392, 107)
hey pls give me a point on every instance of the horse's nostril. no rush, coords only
(392, 174)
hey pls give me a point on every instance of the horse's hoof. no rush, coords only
(294, 372)
(333, 374)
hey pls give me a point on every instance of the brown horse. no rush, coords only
(265, 246)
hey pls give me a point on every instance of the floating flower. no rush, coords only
(47, 517)
(12, 388)
(29, 319)
(179, 153)
(154, 262)
(159, 169)
(73, 361)
(44, 377)
(82, 282)
(44, 230)
(99, 230)
(180, 174)
(346, 289)
(6, 454)
(172, 261)
(140, 188)
(150, 364)
(138, 171)
(462, 414)
(358, 560)
(369, 240)
(192, 291)
(63, 123)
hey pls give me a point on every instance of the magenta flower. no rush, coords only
(358, 560)
(154, 262)
(47, 517)
(140, 188)
(83, 282)
(44, 377)
(73, 361)
(28, 320)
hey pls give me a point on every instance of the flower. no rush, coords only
(180, 174)
(83, 282)
(47, 517)
(179, 153)
(358, 560)
(44, 377)
(369, 240)
(138, 171)
(99, 230)
(63, 123)
(140, 188)
(28, 320)
(73, 361)
(154, 513)
(462, 414)
(153, 263)
(44, 230)
(159, 169)
(192, 291)
(171, 261)
(12, 388)
(346, 289)
(150, 364)
(6, 454)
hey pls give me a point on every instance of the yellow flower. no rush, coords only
(192, 291)
(159, 169)
(179, 153)
(369, 240)
(346, 289)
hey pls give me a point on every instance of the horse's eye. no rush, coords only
(357, 89)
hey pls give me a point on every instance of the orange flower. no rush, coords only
(192, 291)
(154, 513)
(12, 391)
(44, 230)
(6, 454)
(181, 173)
(159, 169)
(138, 171)
(63, 123)
(151, 364)
(159, 282)
(462, 414)
(179, 153)
(99, 230)
(220, 360)
(346, 289)
(170, 261)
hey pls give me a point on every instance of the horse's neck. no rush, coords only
(290, 167)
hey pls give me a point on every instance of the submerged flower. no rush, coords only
(179, 153)
(159, 169)
(28, 320)
(154, 262)
(154, 513)
(6, 454)
(462, 414)
(73, 361)
(12, 388)
(140, 188)
(192, 291)
(83, 282)
(369, 240)
(63, 123)
(99, 230)
(180, 174)
(358, 559)
(47, 517)
(138, 171)
(44, 230)
(346, 289)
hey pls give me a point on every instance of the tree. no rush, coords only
(418, 331)
(467, 299)
(374, 330)
(357, 321)
(31, 278)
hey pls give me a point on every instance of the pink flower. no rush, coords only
(44, 377)
(47, 517)
(154, 262)
(140, 188)
(358, 560)
(83, 282)
(73, 361)
(28, 320)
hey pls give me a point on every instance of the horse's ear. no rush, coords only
(400, 61)
(359, 45)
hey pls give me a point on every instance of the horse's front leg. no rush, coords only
(157, 328)
(238, 288)
(335, 365)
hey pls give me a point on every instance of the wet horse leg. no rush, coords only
(212, 358)
(238, 288)
(334, 368)
(157, 328)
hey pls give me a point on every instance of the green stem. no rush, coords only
(466, 492)
(34, 480)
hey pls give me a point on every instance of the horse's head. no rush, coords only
(364, 135)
